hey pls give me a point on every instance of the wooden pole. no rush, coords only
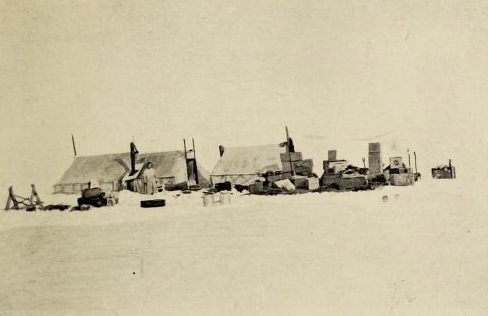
(184, 146)
(288, 150)
(186, 160)
(34, 198)
(415, 160)
(450, 169)
(73, 141)
(11, 198)
(195, 159)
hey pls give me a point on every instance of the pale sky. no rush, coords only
(235, 73)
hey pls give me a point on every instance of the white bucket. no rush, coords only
(207, 199)
(225, 197)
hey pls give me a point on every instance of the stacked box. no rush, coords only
(443, 173)
(287, 166)
(374, 159)
(273, 178)
(278, 176)
(289, 156)
(402, 179)
(312, 184)
(297, 165)
(325, 165)
(374, 148)
(352, 183)
(304, 167)
(374, 162)
(332, 155)
(299, 182)
(306, 163)
(329, 179)
(256, 187)
(375, 168)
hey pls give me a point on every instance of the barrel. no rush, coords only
(225, 197)
(207, 200)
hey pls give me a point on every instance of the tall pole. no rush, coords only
(288, 150)
(186, 160)
(415, 160)
(195, 159)
(408, 151)
(73, 141)
(184, 147)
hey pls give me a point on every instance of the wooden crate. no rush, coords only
(304, 167)
(288, 156)
(325, 165)
(402, 179)
(278, 177)
(332, 155)
(445, 173)
(330, 179)
(256, 187)
(374, 155)
(375, 168)
(374, 161)
(312, 184)
(307, 163)
(374, 147)
(353, 183)
(299, 182)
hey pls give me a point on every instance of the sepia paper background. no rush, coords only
(410, 74)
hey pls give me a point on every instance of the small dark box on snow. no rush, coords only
(153, 203)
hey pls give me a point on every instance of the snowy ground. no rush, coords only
(424, 252)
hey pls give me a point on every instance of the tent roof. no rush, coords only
(112, 167)
(249, 160)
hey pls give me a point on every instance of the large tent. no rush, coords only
(109, 170)
(239, 165)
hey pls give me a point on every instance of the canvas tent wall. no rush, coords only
(239, 165)
(108, 170)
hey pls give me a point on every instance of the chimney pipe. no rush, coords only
(133, 155)
(221, 150)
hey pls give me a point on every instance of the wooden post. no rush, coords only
(195, 159)
(186, 160)
(450, 169)
(34, 198)
(11, 198)
(288, 150)
(408, 152)
(415, 160)
(73, 141)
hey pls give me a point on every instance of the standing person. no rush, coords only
(149, 177)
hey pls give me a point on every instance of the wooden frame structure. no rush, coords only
(19, 202)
